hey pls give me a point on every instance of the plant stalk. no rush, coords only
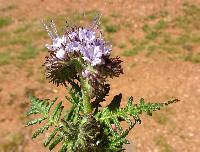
(86, 96)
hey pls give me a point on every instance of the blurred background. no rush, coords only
(158, 40)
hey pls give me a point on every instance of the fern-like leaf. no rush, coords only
(51, 136)
(75, 98)
(52, 115)
(35, 121)
(58, 139)
(112, 115)
(40, 130)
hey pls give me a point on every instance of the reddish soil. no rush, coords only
(155, 78)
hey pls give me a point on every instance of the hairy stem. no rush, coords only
(85, 87)
(86, 95)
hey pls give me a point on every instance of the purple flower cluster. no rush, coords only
(86, 45)
(79, 39)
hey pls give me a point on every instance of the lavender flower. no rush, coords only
(82, 39)
(86, 46)
(92, 54)
(58, 43)
(86, 35)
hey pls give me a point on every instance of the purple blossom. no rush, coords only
(72, 46)
(86, 35)
(72, 35)
(83, 40)
(58, 47)
(60, 54)
(92, 54)
(92, 47)
(80, 42)
(57, 43)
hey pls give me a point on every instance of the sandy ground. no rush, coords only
(155, 78)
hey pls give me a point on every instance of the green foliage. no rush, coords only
(159, 35)
(134, 51)
(76, 132)
(110, 28)
(161, 24)
(190, 19)
(192, 57)
(5, 58)
(29, 52)
(112, 115)
(101, 131)
(22, 29)
(5, 21)
(43, 107)
(122, 45)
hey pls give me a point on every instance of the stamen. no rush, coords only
(48, 30)
(54, 28)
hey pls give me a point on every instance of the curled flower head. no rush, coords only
(84, 40)
(80, 52)
(58, 71)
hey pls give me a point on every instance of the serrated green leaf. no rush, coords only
(31, 111)
(35, 121)
(38, 106)
(43, 107)
(142, 101)
(51, 136)
(130, 102)
(40, 131)
(58, 114)
(108, 116)
(73, 99)
(126, 118)
(117, 124)
(55, 142)
(51, 104)
(64, 147)
(55, 111)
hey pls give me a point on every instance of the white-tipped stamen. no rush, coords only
(53, 27)
(48, 30)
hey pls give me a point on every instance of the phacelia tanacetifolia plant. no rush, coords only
(80, 61)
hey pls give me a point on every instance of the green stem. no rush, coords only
(85, 86)
(86, 96)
